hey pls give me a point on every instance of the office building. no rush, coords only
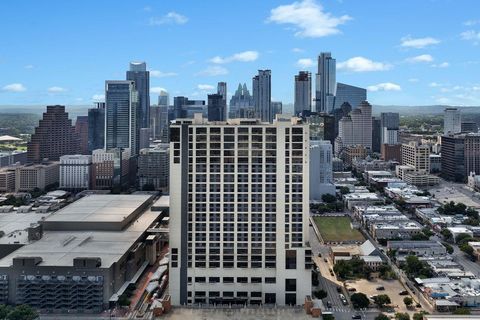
(186, 108)
(322, 127)
(40, 176)
(163, 98)
(144, 141)
(153, 167)
(241, 103)
(85, 257)
(121, 130)
(321, 171)
(452, 121)
(96, 127)
(339, 113)
(356, 128)
(350, 94)
(353, 153)
(389, 122)
(159, 122)
(277, 107)
(453, 158)
(53, 137)
(303, 93)
(239, 210)
(262, 95)
(110, 168)
(7, 158)
(469, 127)
(417, 156)
(222, 90)
(376, 134)
(75, 172)
(391, 152)
(326, 83)
(81, 129)
(216, 107)
(141, 77)
(7, 179)
(472, 154)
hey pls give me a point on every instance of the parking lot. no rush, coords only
(446, 192)
(392, 289)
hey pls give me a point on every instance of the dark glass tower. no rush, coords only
(138, 73)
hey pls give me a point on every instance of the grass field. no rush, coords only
(335, 229)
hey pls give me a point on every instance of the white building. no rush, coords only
(452, 121)
(75, 171)
(321, 174)
(356, 128)
(239, 207)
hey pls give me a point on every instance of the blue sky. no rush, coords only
(407, 52)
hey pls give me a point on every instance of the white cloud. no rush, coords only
(205, 87)
(385, 86)
(442, 100)
(14, 87)
(169, 18)
(421, 58)
(297, 50)
(160, 74)
(305, 63)
(413, 80)
(244, 56)
(441, 65)
(56, 89)
(98, 97)
(308, 18)
(435, 85)
(361, 64)
(29, 66)
(470, 23)
(418, 43)
(471, 35)
(212, 71)
(157, 90)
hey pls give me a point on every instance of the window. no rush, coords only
(290, 284)
(214, 279)
(227, 279)
(256, 280)
(291, 259)
(290, 299)
(270, 280)
(270, 298)
(242, 280)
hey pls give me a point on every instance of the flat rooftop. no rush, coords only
(13, 223)
(98, 212)
(59, 248)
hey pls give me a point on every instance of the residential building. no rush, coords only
(452, 121)
(7, 179)
(417, 156)
(53, 137)
(353, 153)
(81, 129)
(141, 77)
(321, 174)
(36, 176)
(326, 83)
(256, 250)
(262, 95)
(241, 103)
(217, 109)
(159, 122)
(75, 172)
(96, 127)
(121, 127)
(84, 256)
(349, 94)
(303, 93)
(153, 167)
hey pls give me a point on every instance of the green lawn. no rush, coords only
(335, 229)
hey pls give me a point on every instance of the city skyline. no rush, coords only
(411, 64)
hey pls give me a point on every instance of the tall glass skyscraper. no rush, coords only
(96, 127)
(139, 74)
(389, 123)
(351, 94)
(262, 95)
(303, 92)
(121, 127)
(326, 83)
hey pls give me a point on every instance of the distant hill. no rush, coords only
(73, 111)
(413, 110)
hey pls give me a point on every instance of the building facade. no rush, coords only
(96, 127)
(153, 167)
(262, 95)
(110, 168)
(75, 172)
(453, 158)
(217, 109)
(326, 83)
(350, 94)
(121, 127)
(81, 129)
(241, 103)
(36, 176)
(159, 122)
(452, 121)
(389, 123)
(138, 73)
(417, 156)
(356, 128)
(321, 171)
(303, 93)
(239, 212)
(53, 137)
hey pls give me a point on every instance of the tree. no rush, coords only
(381, 300)
(419, 315)
(448, 247)
(447, 234)
(426, 231)
(359, 300)
(419, 237)
(462, 311)
(467, 249)
(402, 316)
(328, 198)
(344, 190)
(328, 317)
(463, 238)
(381, 316)
(4, 311)
(408, 301)
(22, 312)
(416, 268)
(320, 294)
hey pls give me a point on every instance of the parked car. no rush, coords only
(339, 289)
(403, 293)
(329, 304)
(381, 288)
(356, 316)
(352, 289)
